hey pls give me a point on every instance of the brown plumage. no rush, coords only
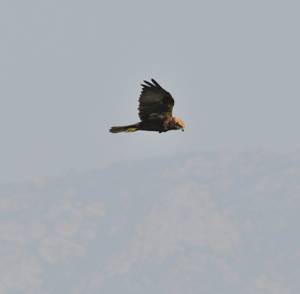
(155, 111)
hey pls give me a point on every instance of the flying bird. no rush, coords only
(155, 111)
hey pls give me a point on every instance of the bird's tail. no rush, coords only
(127, 129)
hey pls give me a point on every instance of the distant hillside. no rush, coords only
(210, 222)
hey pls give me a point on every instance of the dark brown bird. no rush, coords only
(155, 111)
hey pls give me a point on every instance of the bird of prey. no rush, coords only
(155, 111)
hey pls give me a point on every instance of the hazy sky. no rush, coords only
(71, 69)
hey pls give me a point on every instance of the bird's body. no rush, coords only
(155, 111)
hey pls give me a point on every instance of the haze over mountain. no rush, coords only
(204, 222)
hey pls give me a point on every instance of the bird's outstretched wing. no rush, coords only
(155, 102)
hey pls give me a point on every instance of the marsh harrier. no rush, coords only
(155, 111)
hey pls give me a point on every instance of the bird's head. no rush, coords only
(179, 124)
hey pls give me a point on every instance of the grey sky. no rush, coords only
(71, 69)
